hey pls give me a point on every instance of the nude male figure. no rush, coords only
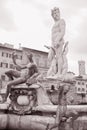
(58, 32)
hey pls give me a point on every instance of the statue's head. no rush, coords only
(66, 88)
(63, 89)
(55, 12)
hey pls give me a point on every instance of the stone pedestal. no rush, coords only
(21, 97)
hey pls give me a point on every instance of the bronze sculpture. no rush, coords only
(30, 73)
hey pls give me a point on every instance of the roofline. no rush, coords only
(80, 78)
(1, 46)
(34, 50)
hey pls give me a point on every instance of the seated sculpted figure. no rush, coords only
(30, 72)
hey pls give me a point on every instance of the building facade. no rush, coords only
(81, 88)
(78, 91)
(6, 63)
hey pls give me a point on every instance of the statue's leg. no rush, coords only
(12, 73)
(51, 55)
(59, 59)
(51, 59)
(14, 82)
(53, 69)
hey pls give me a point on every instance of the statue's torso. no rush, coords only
(57, 31)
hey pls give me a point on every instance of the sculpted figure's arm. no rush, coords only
(14, 57)
(34, 75)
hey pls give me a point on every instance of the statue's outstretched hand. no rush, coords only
(14, 57)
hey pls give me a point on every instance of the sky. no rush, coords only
(29, 22)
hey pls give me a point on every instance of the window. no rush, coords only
(4, 54)
(83, 89)
(82, 83)
(78, 89)
(4, 65)
(10, 55)
(0, 64)
(3, 77)
(79, 83)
